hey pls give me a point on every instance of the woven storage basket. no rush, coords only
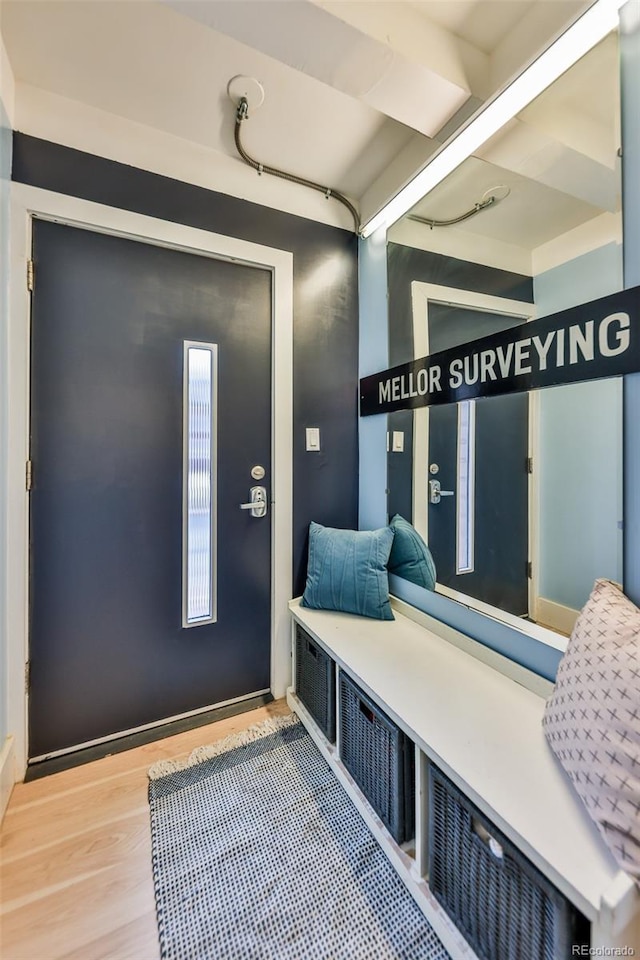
(316, 682)
(380, 758)
(499, 901)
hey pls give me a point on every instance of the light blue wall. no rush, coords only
(580, 450)
(5, 177)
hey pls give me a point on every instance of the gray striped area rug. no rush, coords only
(259, 854)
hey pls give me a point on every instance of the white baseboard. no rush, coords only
(7, 773)
(555, 615)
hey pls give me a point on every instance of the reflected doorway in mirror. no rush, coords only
(479, 535)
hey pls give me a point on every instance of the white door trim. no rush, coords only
(28, 202)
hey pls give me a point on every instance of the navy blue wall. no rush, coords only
(325, 310)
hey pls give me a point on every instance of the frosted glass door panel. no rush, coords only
(200, 370)
(466, 468)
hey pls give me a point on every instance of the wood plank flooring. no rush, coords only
(75, 855)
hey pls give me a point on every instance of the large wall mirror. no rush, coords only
(519, 497)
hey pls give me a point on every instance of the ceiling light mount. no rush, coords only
(500, 192)
(246, 88)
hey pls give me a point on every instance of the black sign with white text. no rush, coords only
(588, 342)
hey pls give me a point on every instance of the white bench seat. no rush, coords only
(484, 730)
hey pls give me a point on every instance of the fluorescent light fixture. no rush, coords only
(599, 20)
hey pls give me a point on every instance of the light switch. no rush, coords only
(313, 438)
(398, 441)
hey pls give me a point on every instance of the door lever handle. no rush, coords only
(258, 502)
(436, 492)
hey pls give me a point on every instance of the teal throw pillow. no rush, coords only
(347, 571)
(410, 557)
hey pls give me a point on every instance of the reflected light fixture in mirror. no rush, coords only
(526, 531)
(599, 20)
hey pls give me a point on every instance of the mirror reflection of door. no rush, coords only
(471, 495)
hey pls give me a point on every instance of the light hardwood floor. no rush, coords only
(75, 855)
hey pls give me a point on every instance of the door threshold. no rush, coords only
(43, 768)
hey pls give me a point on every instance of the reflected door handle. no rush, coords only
(436, 492)
(257, 503)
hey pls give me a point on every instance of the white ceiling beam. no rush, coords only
(535, 154)
(416, 73)
(415, 38)
(595, 233)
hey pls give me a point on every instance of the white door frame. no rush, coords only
(28, 202)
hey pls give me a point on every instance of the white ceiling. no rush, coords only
(352, 86)
(484, 25)
(145, 62)
(531, 215)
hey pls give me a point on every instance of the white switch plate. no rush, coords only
(398, 441)
(313, 438)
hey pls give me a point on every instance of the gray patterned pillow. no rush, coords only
(592, 719)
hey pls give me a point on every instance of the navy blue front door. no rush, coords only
(108, 649)
(482, 552)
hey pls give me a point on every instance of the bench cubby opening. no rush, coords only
(380, 758)
(315, 681)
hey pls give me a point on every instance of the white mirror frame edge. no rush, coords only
(28, 202)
